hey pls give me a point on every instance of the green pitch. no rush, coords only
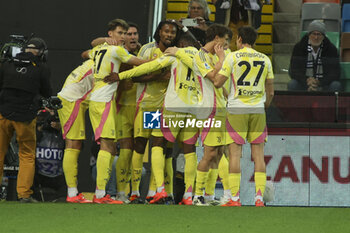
(76, 218)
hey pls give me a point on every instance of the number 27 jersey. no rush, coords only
(247, 70)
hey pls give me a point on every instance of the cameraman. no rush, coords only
(22, 80)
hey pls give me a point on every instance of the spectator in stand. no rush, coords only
(199, 10)
(314, 64)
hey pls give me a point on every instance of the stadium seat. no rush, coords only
(332, 36)
(330, 13)
(345, 75)
(346, 18)
(324, 1)
(345, 47)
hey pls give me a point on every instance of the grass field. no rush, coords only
(62, 217)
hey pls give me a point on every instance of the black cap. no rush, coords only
(37, 42)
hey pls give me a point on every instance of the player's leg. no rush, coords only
(169, 174)
(158, 165)
(223, 173)
(189, 172)
(210, 153)
(125, 134)
(141, 137)
(259, 171)
(123, 167)
(72, 119)
(103, 121)
(137, 164)
(209, 196)
(257, 136)
(235, 151)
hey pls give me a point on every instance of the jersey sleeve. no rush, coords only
(202, 64)
(148, 67)
(122, 54)
(186, 56)
(226, 69)
(269, 69)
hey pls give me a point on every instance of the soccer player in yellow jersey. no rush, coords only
(207, 66)
(251, 76)
(150, 97)
(74, 96)
(102, 106)
(219, 167)
(180, 99)
(126, 107)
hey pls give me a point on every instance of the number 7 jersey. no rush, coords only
(247, 70)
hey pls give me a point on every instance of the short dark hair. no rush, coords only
(156, 35)
(248, 35)
(113, 24)
(185, 37)
(216, 30)
(133, 25)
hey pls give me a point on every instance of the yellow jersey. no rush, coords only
(182, 92)
(126, 97)
(107, 59)
(205, 63)
(151, 94)
(79, 82)
(248, 71)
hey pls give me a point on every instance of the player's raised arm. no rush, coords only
(101, 40)
(143, 69)
(219, 51)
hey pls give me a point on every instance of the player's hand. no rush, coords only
(111, 78)
(219, 51)
(171, 51)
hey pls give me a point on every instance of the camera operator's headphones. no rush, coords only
(41, 45)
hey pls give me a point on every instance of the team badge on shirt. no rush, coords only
(207, 66)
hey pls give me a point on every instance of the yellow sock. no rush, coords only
(168, 176)
(190, 171)
(223, 172)
(122, 169)
(70, 166)
(260, 182)
(158, 161)
(234, 181)
(211, 182)
(103, 166)
(152, 187)
(137, 162)
(200, 182)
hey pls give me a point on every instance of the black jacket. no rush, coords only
(21, 85)
(330, 62)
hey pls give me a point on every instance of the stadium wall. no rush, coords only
(68, 27)
(307, 168)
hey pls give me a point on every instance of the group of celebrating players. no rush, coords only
(205, 92)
